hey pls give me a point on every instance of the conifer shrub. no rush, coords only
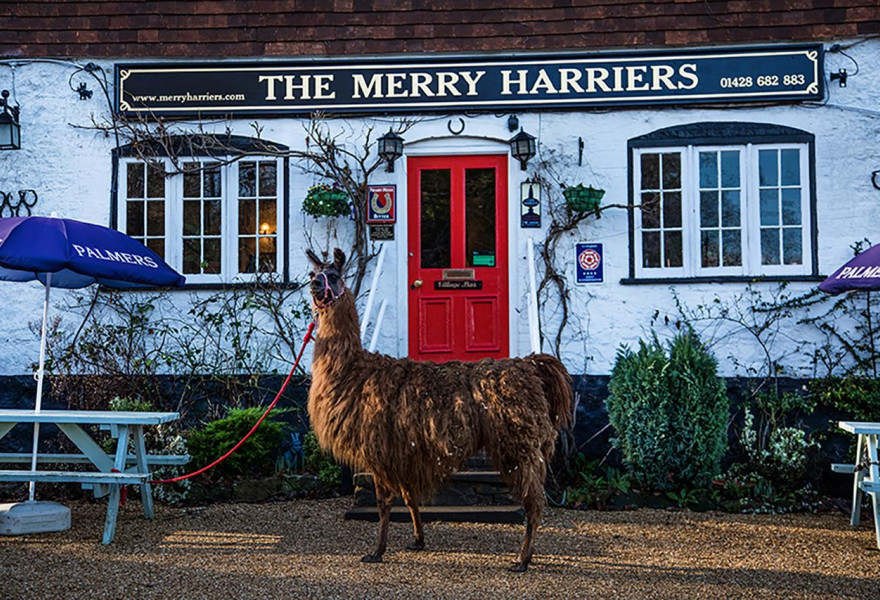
(669, 410)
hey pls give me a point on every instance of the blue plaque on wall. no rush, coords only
(590, 263)
(530, 204)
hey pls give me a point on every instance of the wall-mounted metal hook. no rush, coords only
(580, 151)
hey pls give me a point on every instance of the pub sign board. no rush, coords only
(790, 73)
(380, 203)
(590, 263)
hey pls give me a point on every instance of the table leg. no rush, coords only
(92, 450)
(115, 489)
(856, 516)
(875, 477)
(140, 452)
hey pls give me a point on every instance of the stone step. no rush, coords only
(510, 513)
(465, 488)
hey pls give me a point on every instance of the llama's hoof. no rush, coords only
(416, 545)
(372, 558)
(518, 567)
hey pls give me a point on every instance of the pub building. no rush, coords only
(716, 147)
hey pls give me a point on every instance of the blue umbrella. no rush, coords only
(64, 253)
(860, 273)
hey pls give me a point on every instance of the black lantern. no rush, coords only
(523, 147)
(390, 149)
(10, 130)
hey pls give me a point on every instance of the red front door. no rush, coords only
(458, 299)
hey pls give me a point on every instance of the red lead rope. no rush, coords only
(306, 341)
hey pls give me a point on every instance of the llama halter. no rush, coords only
(328, 293)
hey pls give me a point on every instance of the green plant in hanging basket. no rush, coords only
(582, 199)
(325, 201)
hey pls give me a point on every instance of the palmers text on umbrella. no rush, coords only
(123, 257)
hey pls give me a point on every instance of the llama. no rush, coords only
(412, 424)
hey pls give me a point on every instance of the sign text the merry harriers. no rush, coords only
(776, 73)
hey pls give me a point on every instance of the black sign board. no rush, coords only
(458, 285)
(380, 233)
(575, 80)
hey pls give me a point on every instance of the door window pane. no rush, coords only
(479, 190)
(435, 206)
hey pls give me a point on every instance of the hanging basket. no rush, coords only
(582, 199)
(325, 201)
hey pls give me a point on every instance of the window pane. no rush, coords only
(672, 254)
(436, 187)
(212, 256)
(192, 217)
(212, 182)
(709, 209)
(247, 255)
(730, 208)
(191, 180)
(769, 207)
(769, 246)
(192, 256)
(709, 248)
(212, 217)
(730, 169)
(708, 170)
(651, 249)
(134, 180)
(672, 171)
(650, 211)
(156, 180)
(672, 209)
(792, 246)
(267, 217)
(731, 243)
(247, 217)
(156, 217)
(134, 218)
(650, 171)
(791, 206)
(267, 255)
(268, 182)
(768, 167)
(479, 193)
(247, 183)
(157, 246)
(791, 167)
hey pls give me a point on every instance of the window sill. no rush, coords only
(724, 279)
(195, 287)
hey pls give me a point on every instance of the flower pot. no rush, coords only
(582, 199)
(325, 201)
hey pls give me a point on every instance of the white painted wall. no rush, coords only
(70, 168)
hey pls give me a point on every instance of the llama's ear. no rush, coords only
(317, 262)
(338, 259)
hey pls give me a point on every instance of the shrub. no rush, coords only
(256, 457)
(670, 412)
(320, 463)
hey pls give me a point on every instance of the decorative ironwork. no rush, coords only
(27, 199)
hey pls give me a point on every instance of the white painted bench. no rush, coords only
(114, 471)
(865, 470)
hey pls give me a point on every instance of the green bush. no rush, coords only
(256, 457)
(320, 463)
(858, 396)
(669, 411)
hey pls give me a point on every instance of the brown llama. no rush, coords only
(412, 424)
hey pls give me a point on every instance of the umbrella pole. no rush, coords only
(39, 400)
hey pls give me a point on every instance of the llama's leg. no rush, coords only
(383, 503)
(533, 501)
(412, 504)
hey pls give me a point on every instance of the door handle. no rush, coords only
(416, 284)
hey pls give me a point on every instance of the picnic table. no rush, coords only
(865, 470)
(110, 470)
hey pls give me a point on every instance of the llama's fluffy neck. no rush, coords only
(338, 340)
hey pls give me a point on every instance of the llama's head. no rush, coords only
(326, 284)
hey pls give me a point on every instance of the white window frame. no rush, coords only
(750, 214)
(229, 220)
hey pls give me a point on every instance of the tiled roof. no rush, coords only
(249, 28)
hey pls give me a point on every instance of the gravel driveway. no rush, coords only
(304, 549)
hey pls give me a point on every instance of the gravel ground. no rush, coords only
(305, 549)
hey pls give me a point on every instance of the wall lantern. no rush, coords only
(10, 130)
(390, 149)
(523, 147)
(875, 179)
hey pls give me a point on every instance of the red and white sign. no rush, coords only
(380, 203)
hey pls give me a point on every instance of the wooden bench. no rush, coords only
(72, 477)
(865, 470)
